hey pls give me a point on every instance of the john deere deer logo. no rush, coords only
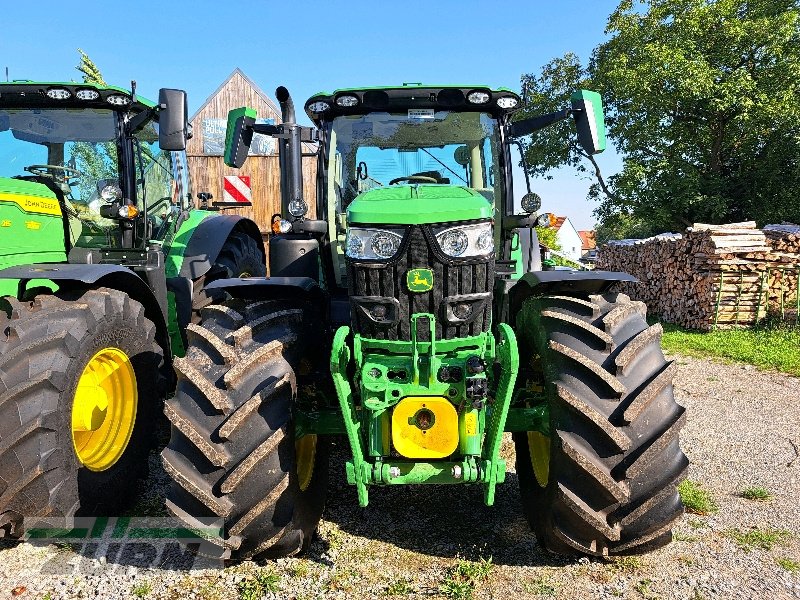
(420, 280)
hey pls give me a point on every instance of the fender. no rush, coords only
(205, 241)
(569, 283)
(268, 288)
(81, 277)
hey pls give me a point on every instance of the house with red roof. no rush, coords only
(588, 246)
(568, 238)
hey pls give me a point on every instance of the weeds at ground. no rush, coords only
(643, 587)
(463, 577)
(141, 589)
(787, 564)
(696, 499)
(764, 539)
(399, 587)
(541, 587)
(626, 564)
(256, 586)
(759, 494)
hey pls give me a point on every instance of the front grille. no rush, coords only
(457, 284)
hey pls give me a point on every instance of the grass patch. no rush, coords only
(254, 587)
(141, 589)
(757, 538)
(463, 577)
(541, 587)
(771, 346)
(625, 564)
(787, 564)
(643, 587)
(756, 493)
(399, 587)
(696, 499)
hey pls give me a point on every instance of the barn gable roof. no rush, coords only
(250, 82)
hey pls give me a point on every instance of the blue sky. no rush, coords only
(310, 46)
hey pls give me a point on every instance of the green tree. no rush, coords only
(91, 73)
(701, 102)
(95, 161)
(547, 236)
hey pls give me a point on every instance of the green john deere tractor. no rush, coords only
(414, 318)
(102, 266)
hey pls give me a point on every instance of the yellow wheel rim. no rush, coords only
(539, 450)
(104, 409)
(305, 454)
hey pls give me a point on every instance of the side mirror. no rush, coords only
(239, 135)
(173, 119)
(587, 109)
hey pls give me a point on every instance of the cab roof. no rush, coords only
(411, 96)
(34, 93)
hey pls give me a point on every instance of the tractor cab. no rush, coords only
(93, 157)
(410, 155)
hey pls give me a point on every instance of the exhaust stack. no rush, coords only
(291, 158)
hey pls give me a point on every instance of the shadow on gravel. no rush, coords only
(437, 520)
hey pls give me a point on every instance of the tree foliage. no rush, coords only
(95, 161)
(91, 73)
(547, 237)
(701, 102)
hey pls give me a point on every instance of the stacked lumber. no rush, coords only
(711, 274)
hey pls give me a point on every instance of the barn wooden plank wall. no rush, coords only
(207, 171)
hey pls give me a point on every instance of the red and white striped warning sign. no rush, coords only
(236, 188)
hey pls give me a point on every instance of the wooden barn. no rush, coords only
(206, 148)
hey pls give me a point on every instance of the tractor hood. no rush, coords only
(418, 205)
(29, 196)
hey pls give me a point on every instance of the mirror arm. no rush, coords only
(527, 126)
(524, 163)
(138, 120)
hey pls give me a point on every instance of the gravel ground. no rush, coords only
(743, 430)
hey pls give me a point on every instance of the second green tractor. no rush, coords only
(103, 266)
(412, 316)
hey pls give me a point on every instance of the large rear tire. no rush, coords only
(240, 257)
(605, 481)
(232, 453)
(61, 361)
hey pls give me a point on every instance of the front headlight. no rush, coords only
(373, 244)
(467, 240)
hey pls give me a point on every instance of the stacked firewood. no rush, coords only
(710, 275)
(784, 239)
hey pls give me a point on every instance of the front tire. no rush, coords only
(232, 453)
(61, 361)
(605, 481)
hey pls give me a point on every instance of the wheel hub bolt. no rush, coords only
(394, 472)
(457, 472)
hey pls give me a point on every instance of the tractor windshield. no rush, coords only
(417, 146)
(71, 151)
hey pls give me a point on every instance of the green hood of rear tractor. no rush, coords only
(418, 205)
(31, 227)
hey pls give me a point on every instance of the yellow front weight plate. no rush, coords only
(104, 409)
(305, 451)
(539, 450)
(425, 427)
